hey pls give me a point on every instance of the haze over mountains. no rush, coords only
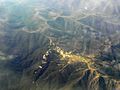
(59, 45)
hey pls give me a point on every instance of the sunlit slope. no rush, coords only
(43, 63)
(73, 72)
